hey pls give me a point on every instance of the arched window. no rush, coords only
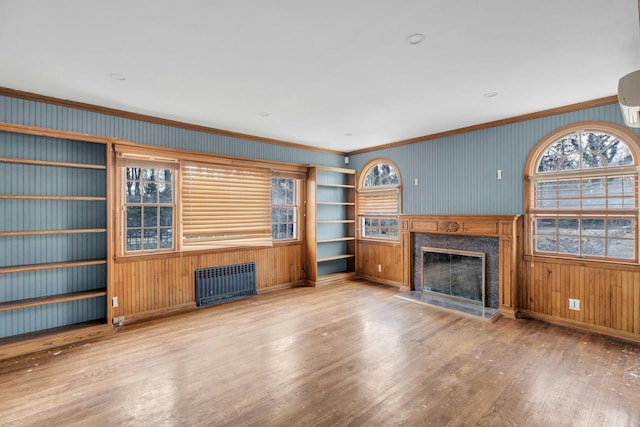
(379, 189)
(582, 201)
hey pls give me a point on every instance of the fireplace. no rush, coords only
(455, 274)
(495, 236)
(488, 247)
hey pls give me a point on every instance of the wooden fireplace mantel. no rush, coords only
(507, 228)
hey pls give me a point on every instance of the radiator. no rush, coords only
(227, 283)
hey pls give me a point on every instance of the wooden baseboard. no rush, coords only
(401, 286)
(162, 312)
(580, 325)
(281, 287)
(330, 279)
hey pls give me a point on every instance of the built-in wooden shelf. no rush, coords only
(331, 196)
(52, 299)
(49, 163)
(47, 232)
(337, 239)
(336, 185)
(30, 197)
(49, 266)
(337, 203)
(335, 257)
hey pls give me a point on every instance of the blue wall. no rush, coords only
(457, 174)
(31, 113)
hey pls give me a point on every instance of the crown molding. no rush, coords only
(537, 115)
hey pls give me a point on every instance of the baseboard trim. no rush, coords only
(603, 330)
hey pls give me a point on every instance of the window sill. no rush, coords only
(387, 242)
(584, 262)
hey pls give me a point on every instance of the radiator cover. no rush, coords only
(227, 283)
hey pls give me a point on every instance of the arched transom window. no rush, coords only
(379, 191)
(583, 193)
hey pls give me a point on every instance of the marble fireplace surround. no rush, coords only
(496, 235)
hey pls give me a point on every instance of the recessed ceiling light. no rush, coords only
(415, 38)
(116, 76)
(490, 94)
(265, 114)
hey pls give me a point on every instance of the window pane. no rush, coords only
(592, 160)
(593, 246)
(150, 239)
(274, 231)
(134, 216)
(166, 193)
(547, 190)
(134, 239)
(150, 194)
(546, 243)
(149, 175)
(571, 162)
(166, 238)
(134, 195)
(568, 245)
(568, 227)
(593, 187)
(620, 228)
(166, 216)
(150, 215)
(618, 154)
(546, 226)
(569, 189)
(618, 248)
(593, 227)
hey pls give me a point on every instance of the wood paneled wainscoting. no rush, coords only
(151, 286)
(380, 262)
(609, 294)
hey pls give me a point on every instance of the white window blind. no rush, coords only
(224, 206)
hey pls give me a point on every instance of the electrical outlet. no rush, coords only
(114, 302)
(379, 268)
(574, 304)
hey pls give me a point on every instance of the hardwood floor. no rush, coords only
(346, 354)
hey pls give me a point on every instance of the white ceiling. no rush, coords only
(334, 74)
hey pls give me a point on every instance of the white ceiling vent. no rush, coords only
(629, 98)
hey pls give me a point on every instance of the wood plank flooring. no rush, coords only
(345, 354)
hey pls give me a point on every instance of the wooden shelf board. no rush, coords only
(52, 299)
(28, 197)
(336, 185)
(43, 232)
(335, 257)
(51, 265)
(51, 163)
(337, 239)
(332, 278)
(337, 203)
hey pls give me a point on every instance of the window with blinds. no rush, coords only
(378, 201)
(224, 206)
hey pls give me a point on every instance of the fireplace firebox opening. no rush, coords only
(455, 274)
